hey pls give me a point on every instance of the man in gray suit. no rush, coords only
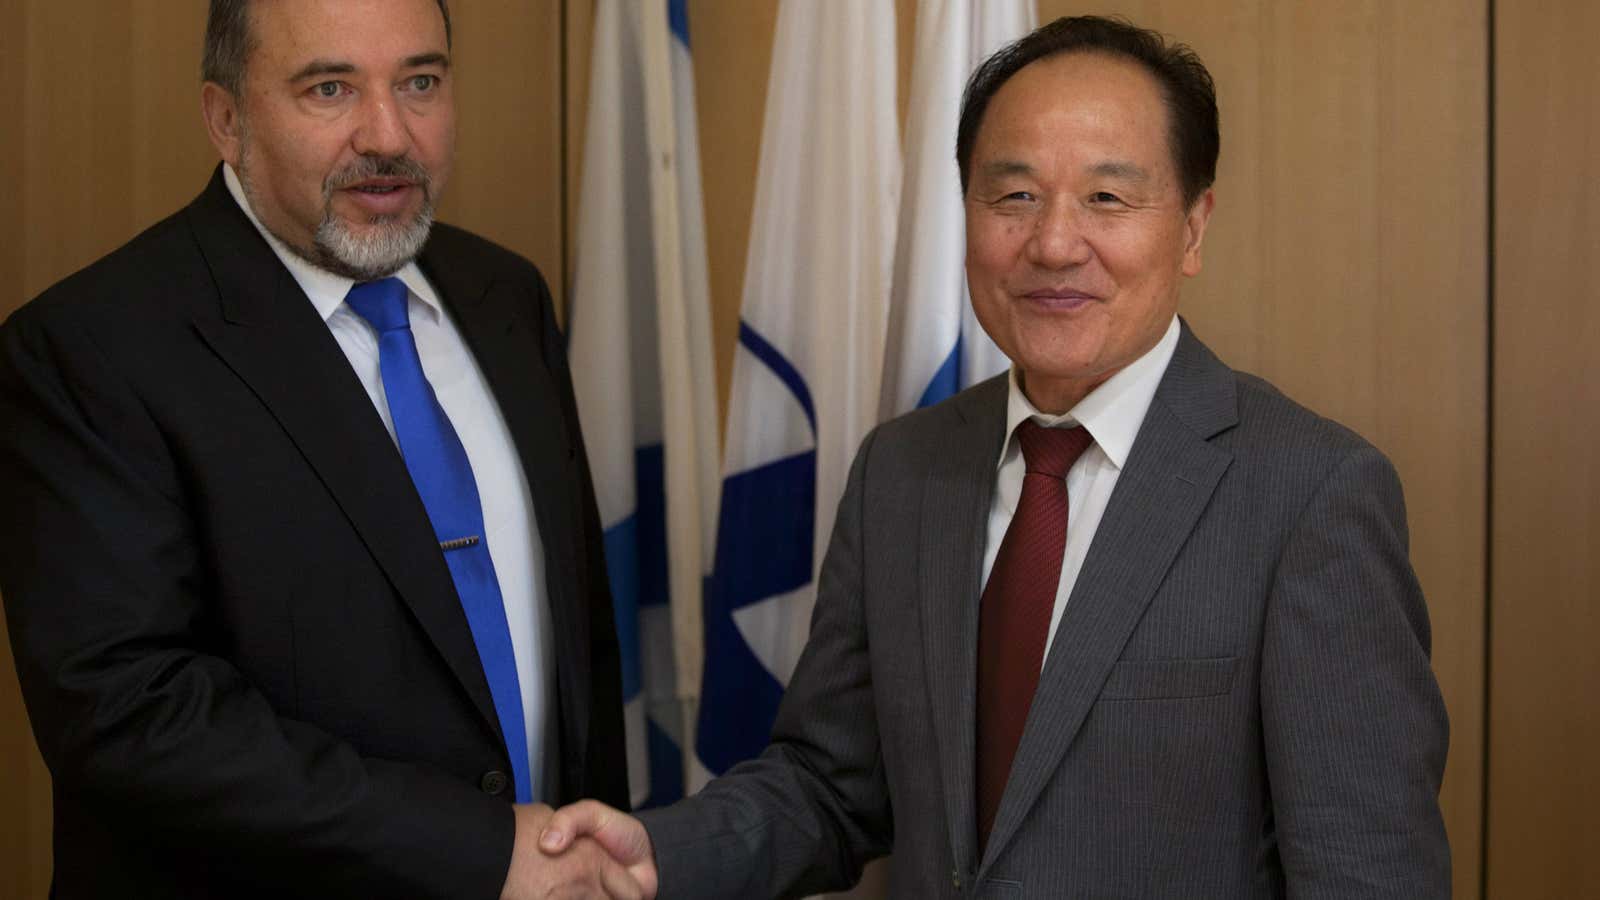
(1124, 623)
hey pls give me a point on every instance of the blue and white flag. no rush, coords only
(935, 346)
(640, 333)
(810, 352)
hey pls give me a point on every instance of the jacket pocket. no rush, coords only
(1169, 679)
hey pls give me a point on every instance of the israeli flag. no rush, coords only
(935, 346)
(810, 352)
(640, 330)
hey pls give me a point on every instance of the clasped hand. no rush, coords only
(587, 849)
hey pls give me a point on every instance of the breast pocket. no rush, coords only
(1169, 679)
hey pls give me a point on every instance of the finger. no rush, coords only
(569, 822)
(618, 884)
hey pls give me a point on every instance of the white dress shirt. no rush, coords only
(1112, 413)
(511, 532)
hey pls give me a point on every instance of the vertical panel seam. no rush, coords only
(1492, 135)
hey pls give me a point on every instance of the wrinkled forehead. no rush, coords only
(1079, 100)
(288, 35)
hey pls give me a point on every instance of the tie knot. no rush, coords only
(1051, 451)
(382, 303)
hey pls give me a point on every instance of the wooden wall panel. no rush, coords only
(507, 184)
(16, 742)
(1345, 262)
(1544, 660)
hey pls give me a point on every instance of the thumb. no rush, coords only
(619, 834)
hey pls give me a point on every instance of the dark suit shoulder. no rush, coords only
(160, 267)
(491, 260)
(1270, 419)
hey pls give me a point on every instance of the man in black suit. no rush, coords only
(302, 567)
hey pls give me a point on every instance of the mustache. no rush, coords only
(367, 167)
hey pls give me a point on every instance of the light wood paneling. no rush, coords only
(16, 744)
(508, 180)
(1345, 262)
(1543, 786)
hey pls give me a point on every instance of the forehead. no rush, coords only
(1083, 101)
(291, 32)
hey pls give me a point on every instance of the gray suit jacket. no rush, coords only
(1238, 702)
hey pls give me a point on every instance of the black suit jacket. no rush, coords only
(242, 653)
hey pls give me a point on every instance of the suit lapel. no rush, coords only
(270, 335)
(495, 318)
(954, 517)
(1159, 496)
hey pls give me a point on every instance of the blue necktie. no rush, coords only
(443, 477)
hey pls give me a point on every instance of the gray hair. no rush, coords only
(229, 42)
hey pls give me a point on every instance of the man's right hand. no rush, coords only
(621, 835)
(584, 869)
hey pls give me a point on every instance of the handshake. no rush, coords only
(587, 849)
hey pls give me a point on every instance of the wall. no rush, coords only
(1544, 689)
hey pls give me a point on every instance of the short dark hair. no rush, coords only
(1190, 94)
(229, 42)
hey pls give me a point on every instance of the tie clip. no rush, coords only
(459, 543)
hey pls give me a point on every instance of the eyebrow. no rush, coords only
(1003, 167)
(1118, 169)
(427, 59)
(322, 67)
(335, 67)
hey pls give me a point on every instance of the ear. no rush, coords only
(1194, 231)
(224, 121)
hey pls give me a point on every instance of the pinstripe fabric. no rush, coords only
(1239, 702)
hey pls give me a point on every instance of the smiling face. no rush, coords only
(345, 132)
(1078, 236)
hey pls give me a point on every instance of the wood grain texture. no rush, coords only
(507, 182)
(1345, 262)
(1544, 664)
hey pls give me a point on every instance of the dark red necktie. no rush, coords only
(1014, 614)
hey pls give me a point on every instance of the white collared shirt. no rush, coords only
(1112, 413)
(511, 532)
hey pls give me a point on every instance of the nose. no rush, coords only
(383, 130)
(1058, 239)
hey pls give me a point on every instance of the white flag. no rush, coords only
(810, 352)
(640, 331)
(935, 346)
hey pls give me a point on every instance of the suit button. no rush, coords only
(494, 782)
(955, 878)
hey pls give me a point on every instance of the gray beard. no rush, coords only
(377, 254)
(337, 248)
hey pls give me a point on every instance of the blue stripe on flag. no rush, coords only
(636, 561)
(763, 550)
(947, 381)
(678, 19)
(622, 567)
(666, 768)
(782, 368)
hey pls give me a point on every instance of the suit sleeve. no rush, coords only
(140, 719)
(1353, 722)
(807, 814)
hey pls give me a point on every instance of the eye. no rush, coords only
(327, 90)
(421, 84)
(1018, 196)
(1104, 197)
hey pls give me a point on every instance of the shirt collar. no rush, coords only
(1111, 412)
(325, 289)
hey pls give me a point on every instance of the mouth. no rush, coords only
(383, 196)
(1060, 299)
